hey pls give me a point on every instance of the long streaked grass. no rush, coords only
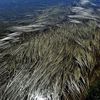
(58, 64)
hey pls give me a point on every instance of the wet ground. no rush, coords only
(27, 16)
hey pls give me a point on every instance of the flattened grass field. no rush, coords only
(51, 53)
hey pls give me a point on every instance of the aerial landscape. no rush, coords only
(49, 49)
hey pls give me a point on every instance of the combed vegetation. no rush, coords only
(57, 64)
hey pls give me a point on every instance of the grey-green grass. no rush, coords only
(58, 64)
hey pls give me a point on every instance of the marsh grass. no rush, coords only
(57, 64)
